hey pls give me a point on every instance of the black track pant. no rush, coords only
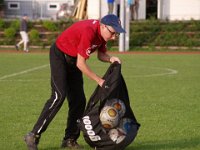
(66, 81)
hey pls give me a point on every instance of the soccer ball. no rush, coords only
(118, 105)
(117, 135)
(109, 117)
(126, 124)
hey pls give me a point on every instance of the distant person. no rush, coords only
(110, 6)
(62, 13)
(24, 34)
(136, 8)
(118, 8)
(131, 4)
(134, 5)
(68, 62)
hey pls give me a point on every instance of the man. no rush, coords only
(110, 6)
(68, 60)
(23, 34)
(134, 6)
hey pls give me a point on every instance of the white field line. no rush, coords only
(23, 72)
(168, 71)
(25, 80)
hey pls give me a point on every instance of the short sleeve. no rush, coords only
(85, 44)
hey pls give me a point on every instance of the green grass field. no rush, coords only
(163, 89)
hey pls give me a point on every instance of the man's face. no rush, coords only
(25, 17)
(108, 33)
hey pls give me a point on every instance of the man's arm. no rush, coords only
(107, 58)
(82, 65)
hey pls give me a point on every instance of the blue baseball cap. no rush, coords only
(113, 21)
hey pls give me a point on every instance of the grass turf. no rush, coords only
(163, 89)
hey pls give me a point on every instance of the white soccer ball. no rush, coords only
(109, 117)
(117, 104)
(126, 124)
(117, 135)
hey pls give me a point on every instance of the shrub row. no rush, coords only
(157, 33)
(142, 33)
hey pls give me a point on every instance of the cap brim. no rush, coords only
(119, 29)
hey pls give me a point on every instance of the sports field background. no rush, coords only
(163, 89)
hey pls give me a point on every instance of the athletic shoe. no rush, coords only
(26, 51)
(16, 47)
(32, 141)
(70, 143)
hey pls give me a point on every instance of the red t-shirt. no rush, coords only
(82, 38)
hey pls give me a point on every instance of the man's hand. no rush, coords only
(100, 82)
(107, 58)
(113, 59)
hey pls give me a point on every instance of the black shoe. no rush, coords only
(17, 47)
(70, 143)
(32, 141)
